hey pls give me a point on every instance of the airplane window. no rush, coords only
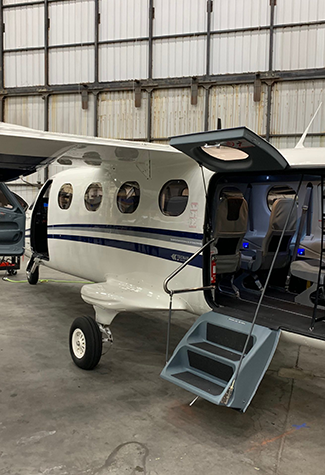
(4, 202)
(128, 197)
(93, 196)
(279, 191)
(65, 196)
(173, 198)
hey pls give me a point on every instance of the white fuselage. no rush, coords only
(139, 249)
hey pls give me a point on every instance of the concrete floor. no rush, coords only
(121, 418)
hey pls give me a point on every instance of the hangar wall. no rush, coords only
(150, 69)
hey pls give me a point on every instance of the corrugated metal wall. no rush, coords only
(247, 62)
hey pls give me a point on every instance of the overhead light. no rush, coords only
(223, 152)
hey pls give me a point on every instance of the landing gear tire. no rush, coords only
(32, 277)
(85, 342)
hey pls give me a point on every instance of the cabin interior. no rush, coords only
(268, 231)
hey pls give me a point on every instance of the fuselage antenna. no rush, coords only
(300, 144)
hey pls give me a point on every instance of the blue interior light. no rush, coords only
(301, 252)
(245, 245)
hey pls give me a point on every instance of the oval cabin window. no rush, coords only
(173, 198)
(279, 192)
(65, 196)
(93, 196)
(128, 197)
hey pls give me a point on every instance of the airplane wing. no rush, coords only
(23, 150)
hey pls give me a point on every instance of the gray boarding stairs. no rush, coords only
(206, 360)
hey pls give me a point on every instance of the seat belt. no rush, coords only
(305, 208)
(247, 196)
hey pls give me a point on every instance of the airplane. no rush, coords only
(202, 225)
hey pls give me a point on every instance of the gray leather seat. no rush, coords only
(229, 230)
(261, 258)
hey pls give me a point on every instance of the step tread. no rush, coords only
(216, 350)
(200, 383)
(232, 339)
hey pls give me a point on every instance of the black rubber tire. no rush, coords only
(32, 277)
(93, 339)
(12, 272)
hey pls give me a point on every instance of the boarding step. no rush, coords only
(206, 359)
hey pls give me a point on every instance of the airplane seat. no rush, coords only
(175, 205)
(261, 259)
(231, 220)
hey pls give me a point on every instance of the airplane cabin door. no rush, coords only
(39, 220)
(12, 224)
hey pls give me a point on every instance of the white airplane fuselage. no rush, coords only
(134, 252)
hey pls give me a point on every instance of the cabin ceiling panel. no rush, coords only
(123, 61)
(296, 11)
(231, 14)
(66, 114)
(24, 27)
(235, 106)
(25, 110)
(119, 118)
(240, 52)
(293, 106)
(71, 22)
(173, 113)
(299, 48)
(24, 69)
(179, 57)
(121, 19)
(183, 16)
(71, 65)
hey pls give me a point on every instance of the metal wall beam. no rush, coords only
(270, 83)
(166, 83)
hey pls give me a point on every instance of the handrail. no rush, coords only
(180, 291)
(180, 268)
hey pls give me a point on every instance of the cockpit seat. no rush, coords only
(261, 257)
(230, 227)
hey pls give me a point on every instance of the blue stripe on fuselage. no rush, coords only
(155, 251)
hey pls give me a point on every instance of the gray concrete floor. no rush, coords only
(122, 418)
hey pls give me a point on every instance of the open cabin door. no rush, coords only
(12, 224)
(231, 150)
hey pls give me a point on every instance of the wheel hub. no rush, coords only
(78, 343)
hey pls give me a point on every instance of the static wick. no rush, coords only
(194, 400)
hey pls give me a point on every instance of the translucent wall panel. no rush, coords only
(71, 22)
(235, 106)
(240, 52)
(231, 14)
(294, 104)
(119, 118)
(67, 116)
(291, 142)
(24, 27)
(26, 111)
(121, 19)
(71, 65)
(297, 11)
(173, 114)
(24, 69)
(182, 16)
(299, 48)
(179, 57)
(123, 61)
(27, 192)
(14, 2)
